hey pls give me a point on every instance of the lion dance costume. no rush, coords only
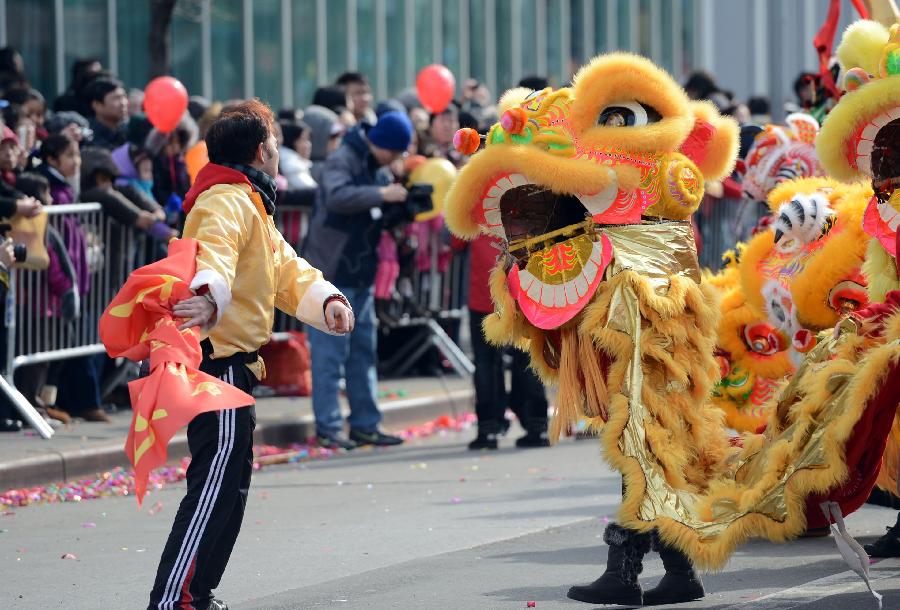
(590, 188)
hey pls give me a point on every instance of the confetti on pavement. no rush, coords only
(119, 482)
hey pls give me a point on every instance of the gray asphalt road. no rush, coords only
(429, 525)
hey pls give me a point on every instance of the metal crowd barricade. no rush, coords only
(439, 296)
(722, 223)
(39, 329)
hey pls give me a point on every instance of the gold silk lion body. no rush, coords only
(590, 187)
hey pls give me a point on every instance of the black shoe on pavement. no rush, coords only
(679, 584)
(619, 583)
(335, 441)
(886, 546)
(217, 604)
(483, 441)
(10, 425)
(376, 437)
(533, 439)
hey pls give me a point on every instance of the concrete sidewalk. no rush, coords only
(84, 448)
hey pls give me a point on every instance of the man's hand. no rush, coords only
(338, 317)
(393, 193)
(7, 255)
(28, 207)
(198, 311)
(144, 220)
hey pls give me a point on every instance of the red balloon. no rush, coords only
(165, 100)
(436, 87)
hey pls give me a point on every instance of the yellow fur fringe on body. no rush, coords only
(684, 437)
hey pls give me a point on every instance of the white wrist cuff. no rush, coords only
(312, 306)
(218, 288)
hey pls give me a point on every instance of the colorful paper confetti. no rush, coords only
(120, 481)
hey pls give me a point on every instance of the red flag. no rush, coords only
(138, 324)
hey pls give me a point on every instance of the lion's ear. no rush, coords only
(713, 142)
(512, 97)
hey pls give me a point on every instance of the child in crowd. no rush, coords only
(77, 380)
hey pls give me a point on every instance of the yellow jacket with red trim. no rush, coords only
(250, 270)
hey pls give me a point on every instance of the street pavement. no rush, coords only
(428, 525)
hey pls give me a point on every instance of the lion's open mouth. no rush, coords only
(516, 208)
(559, 255)
(880, 157)
(535, 216)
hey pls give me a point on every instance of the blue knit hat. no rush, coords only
(393, 131)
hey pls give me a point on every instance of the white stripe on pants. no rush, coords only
(205, 506)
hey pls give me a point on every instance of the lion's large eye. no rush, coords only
(628, 114)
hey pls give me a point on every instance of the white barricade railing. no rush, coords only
(41, 327)
(44, 325)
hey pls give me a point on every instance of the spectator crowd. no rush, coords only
(345, 160)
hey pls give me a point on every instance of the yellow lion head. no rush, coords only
(622, 146)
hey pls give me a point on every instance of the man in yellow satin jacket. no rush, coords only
(245, 269)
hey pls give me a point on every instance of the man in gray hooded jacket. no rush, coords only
(343, 237)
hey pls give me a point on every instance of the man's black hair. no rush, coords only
(467, 119)
(451, 109)
(758, 104)
(700, 85)
(100, 88)
(334, 98)
(236, 135)
(80, 67)
(534, 82)
(351, 78)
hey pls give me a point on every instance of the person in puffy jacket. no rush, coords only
(78, 379)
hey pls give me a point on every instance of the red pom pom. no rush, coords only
(466, 141)
(531, 604)
(514, 120)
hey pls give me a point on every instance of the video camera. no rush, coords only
(20, 252)
(418, 201)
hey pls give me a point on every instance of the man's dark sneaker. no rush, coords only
(10, 425)
(335, 441)
(533, 439)
(483, 441)
(217, 604)
(886, 546)
(376, 437)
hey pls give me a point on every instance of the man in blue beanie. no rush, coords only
(343, 236)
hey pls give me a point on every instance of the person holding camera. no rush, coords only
(343, 238)
(12, 203)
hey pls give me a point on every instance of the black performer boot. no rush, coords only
(679, 584)
(888, 545)
(619, 583)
